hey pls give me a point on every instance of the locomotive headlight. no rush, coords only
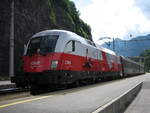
(54, 64)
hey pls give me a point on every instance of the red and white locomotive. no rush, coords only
(59, 57)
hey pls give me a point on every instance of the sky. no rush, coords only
(123, 19)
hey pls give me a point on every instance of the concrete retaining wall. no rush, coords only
(6, 86)
(119, 104)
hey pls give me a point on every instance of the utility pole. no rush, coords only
(113, 44)
(107, 43)
(11, 55)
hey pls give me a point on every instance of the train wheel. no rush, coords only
(74, 84)
(34, 90)
(22, 86)
(77, 83)
(62, 86)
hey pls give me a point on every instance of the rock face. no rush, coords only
(32, 16)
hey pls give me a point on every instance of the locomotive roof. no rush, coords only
(72, 36)
(52, 32)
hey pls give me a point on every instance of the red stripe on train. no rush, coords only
(40, 63)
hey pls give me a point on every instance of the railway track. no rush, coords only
(12, 90)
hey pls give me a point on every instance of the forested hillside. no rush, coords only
(32, 16)
(146, 56)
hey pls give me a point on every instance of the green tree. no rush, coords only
(146, 55)
(69, 16)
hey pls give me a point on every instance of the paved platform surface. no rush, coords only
(141, 103)
(6, 84)
(78, 100)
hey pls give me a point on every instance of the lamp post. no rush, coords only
(113, 44)
(11, 55)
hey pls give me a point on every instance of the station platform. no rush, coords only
(141, 103)
(6, 84)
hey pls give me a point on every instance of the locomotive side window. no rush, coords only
(73, 45)
(100, 55)
(70, 46)
(44, 44)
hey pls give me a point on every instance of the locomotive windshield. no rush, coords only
(43, 45)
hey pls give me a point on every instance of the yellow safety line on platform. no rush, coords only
(24, 101)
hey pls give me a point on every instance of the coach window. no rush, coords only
(70, 46)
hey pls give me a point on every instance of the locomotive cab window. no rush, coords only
(70, 46)
(43, 45)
